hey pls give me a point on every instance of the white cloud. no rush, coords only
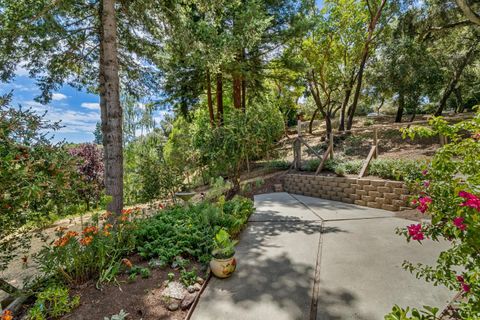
(20, 71)
(91, 105)
(58, 96)
(72, 121)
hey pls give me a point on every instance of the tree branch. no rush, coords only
(469, 13)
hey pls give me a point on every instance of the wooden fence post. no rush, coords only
(375, 142)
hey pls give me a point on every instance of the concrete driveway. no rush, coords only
(309, 258)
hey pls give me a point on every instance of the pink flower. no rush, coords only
(424, 203)
(415, 231)
(425, 172)
(465, 286)
(426, 183)
(458, 222)
(471, 200)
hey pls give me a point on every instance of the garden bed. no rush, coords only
(141, 298)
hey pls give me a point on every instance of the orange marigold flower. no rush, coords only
(106, 233)
(127, 262)
(7, 315)
(86, 240)
(124, 218)
(108, 226)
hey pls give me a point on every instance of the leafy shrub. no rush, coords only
(223, 246)
(218, 187)
(449, 191)
(340, 170)
(38, 178)
(53, 302)
(279, 164)
(393, 169)
(189, 231)
(90, 168)
(148, 175)
(96, 253)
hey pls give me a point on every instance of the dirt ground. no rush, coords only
(141, 298)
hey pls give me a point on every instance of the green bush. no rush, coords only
(279, 164)
(52, 303)
(189, 231)
(392, 169)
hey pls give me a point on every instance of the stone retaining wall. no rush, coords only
(381, 194)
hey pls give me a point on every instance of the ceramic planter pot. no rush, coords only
(223, 268)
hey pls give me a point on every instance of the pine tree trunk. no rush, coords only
(209, 100)
(111, 111)
(219, 99)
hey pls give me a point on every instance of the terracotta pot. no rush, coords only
(223, 268)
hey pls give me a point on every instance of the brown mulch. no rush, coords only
(140, 298)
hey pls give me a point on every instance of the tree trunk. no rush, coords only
(219, 99)
(328, 123)
(401, 107)
(458, 96)
(453, 82)
(348, 92)
(209, 100)
(244, 94)
(469, 13)
(111, 110)
(310, 125)
(366, 48)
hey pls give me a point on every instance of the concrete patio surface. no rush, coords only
(309, 258)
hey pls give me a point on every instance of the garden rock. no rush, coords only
(173, 306)
(197, 287)
(187, 301)
(200, 280)
(174, 290)
(191, 289)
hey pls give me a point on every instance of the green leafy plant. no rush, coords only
(189, 231)
(122, 315)
(188, 278)
(449, 192)
(398, 313)
(95, 253)
(224, 246)
(52, 302)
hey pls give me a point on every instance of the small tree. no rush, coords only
(91, 170)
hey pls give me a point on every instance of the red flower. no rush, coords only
(90, 230)
(465, 286)
(424, 203)
(471, 200)
(458, 222)
(415, 231)
(424, 172)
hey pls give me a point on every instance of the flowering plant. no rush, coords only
(449, 192)
(94, 253)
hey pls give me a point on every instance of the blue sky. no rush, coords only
(78, 111)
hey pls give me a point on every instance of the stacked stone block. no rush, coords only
(381, 194)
